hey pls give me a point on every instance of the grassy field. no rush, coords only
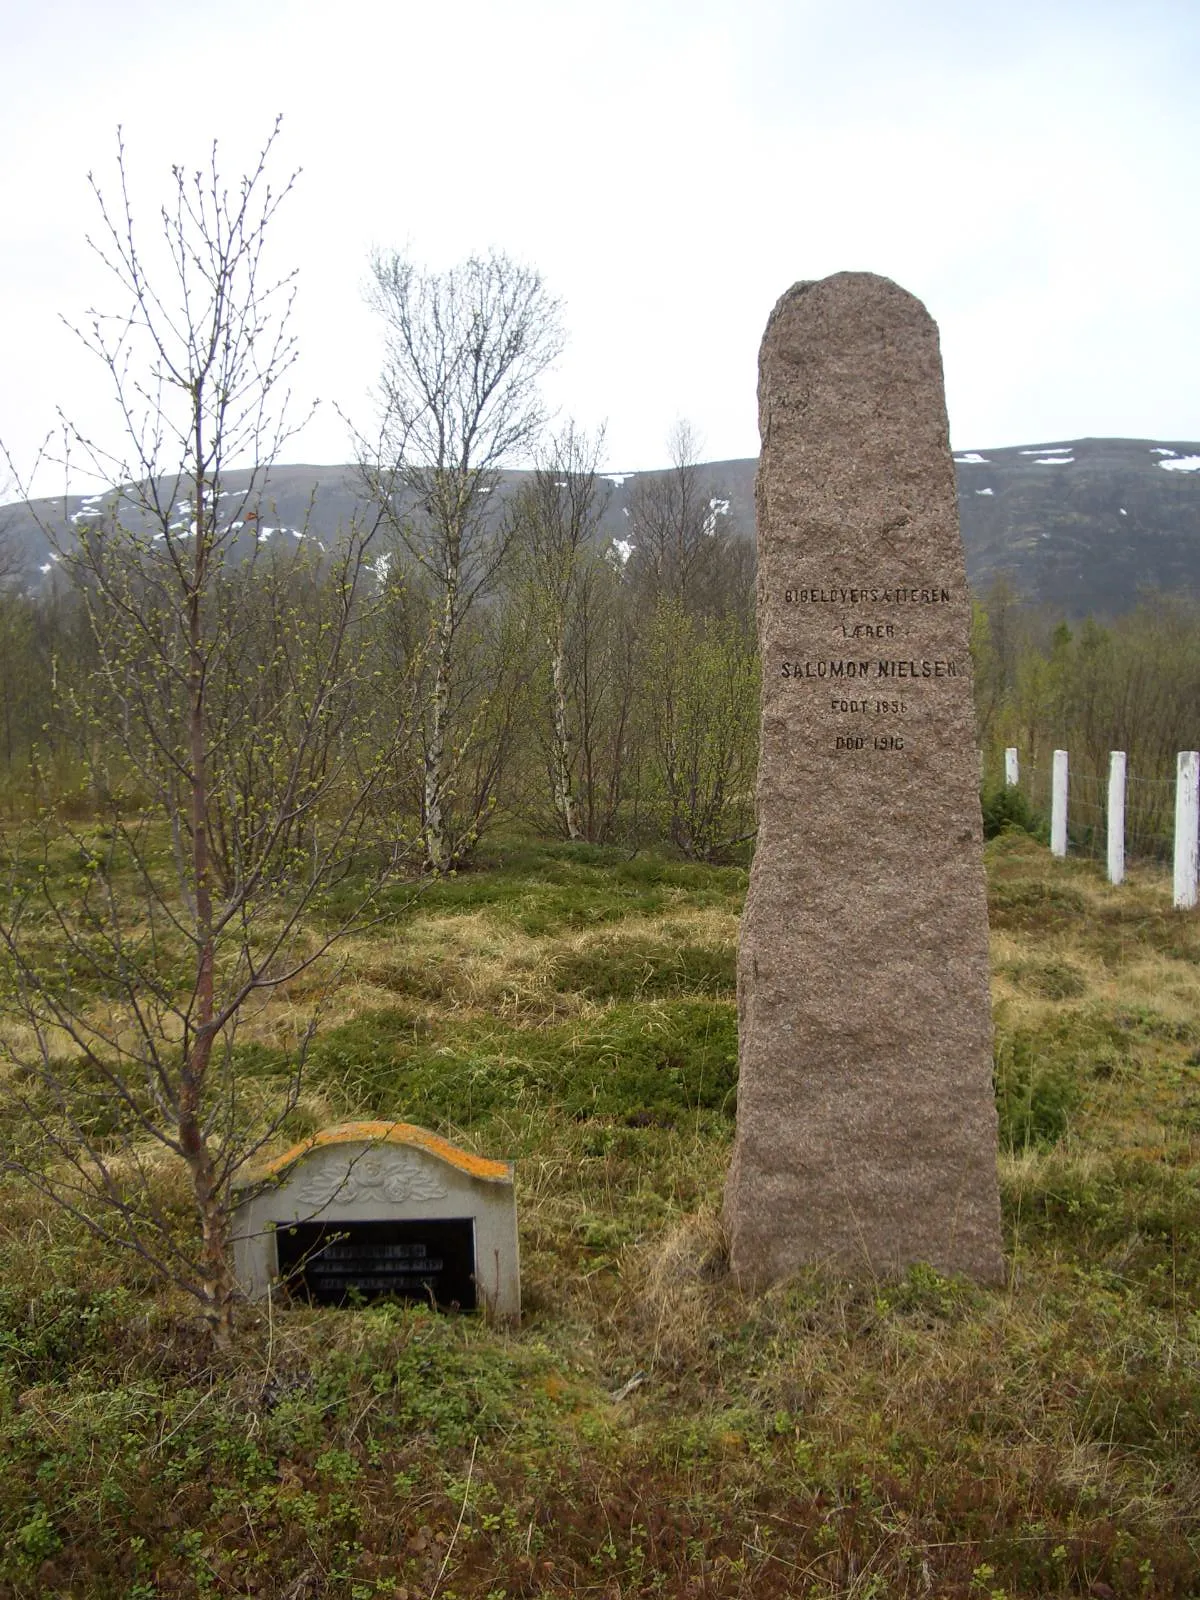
(649, 1430)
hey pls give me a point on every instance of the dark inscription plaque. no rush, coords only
(333, 1262)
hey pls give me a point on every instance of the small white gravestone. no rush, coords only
(382, 1208)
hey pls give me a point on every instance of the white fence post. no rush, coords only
(1058, 806)
(1116, 816)
(1187, 827)
(1012, 771)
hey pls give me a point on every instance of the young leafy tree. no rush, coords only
(464, 351)
(24, 696)
(228, 691)
(700, 699)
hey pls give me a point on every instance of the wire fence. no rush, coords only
(1119, 816)
(1149, 811)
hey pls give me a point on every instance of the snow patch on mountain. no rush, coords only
(716, 508)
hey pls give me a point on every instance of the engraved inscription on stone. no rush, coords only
(864, 700)
(866, 1127)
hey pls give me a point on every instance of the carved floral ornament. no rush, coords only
(372, 1176)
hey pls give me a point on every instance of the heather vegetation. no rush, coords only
(648, 1429)
(449, 821)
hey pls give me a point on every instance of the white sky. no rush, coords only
(670, 166)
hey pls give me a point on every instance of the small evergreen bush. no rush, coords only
(1006, 809)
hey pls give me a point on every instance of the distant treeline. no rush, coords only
(604, 701)
(588, 696)
(1131, 684)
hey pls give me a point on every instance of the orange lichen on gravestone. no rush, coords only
(406, 1133)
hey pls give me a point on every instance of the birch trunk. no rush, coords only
(437, 848)
(217, 1284)
(564, 795)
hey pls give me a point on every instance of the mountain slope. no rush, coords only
(1081, 527)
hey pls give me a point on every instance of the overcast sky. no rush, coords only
(670, 166)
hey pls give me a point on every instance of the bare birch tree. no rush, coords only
(684, 551)
(560, 569)
(464, 352)
(228, 684)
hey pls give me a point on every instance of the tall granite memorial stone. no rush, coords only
(866, 1125)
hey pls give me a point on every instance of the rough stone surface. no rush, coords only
(866, 1125)
(383, 1172)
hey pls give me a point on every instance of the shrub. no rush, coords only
(1034, 1095)
(1006, 810)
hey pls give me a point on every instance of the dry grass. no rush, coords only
(650, 1429)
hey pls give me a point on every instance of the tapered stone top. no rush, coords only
(866, 1124)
